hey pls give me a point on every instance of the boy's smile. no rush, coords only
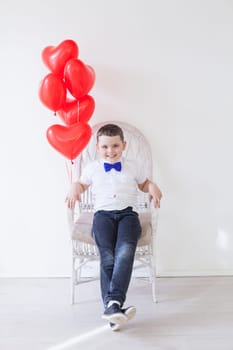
(110, 148)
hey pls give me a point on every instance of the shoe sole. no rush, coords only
(130, 312)
(118, 318)
(115, 327)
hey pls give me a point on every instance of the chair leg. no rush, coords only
(77, 263)
(73, 281)
(154, 290)
(153, 278)
(78, 271)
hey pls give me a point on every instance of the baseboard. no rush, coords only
(165, 273)
(195, 273)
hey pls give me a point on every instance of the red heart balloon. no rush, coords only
(79, 78)
(75, 111)
(55, 57)
(69, 140)
(52, 92)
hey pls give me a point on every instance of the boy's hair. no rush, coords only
(110, 130)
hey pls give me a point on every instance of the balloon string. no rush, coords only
(70, 171)
(71, 174)
(78, 112)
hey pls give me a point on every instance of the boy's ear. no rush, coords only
(124, 145)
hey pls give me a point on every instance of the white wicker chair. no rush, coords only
(84, 249)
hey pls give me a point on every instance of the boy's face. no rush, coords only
(110, 148)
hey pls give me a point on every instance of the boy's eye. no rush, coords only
(114, 146)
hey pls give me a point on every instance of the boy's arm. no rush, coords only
(154, 191)
(74, 193)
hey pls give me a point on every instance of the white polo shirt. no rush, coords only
(113, 190)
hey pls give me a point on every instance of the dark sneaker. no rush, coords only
(114, 314)
(129, 312)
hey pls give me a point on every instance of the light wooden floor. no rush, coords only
(192, 314)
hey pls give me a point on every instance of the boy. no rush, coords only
(116, 227)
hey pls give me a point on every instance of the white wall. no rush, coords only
(164, 66)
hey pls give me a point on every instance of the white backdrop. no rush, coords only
(164, 66)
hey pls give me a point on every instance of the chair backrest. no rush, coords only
(137, 148)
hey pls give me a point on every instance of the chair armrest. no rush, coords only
(154, 218)
(70, 217)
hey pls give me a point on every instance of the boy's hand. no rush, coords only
(73, 195)
(156, 201)
(155, 194)
(70, 200)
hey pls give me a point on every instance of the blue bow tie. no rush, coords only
(109, 166)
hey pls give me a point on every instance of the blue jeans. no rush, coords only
(116, 233)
